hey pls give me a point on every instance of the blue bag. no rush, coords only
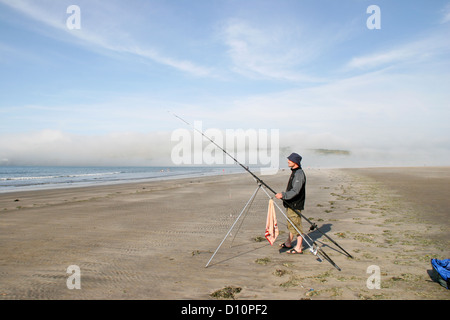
(442, 269)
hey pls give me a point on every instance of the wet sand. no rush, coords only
(153, 240)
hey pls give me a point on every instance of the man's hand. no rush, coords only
(279, 195)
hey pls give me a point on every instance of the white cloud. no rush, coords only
(37, 12)
(113, 36)
(379, 59)
(425, 48)
(182, 65)
(267, 52)
(446, 14)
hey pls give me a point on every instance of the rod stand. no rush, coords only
(239, 216)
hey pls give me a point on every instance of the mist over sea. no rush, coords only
(18, 178)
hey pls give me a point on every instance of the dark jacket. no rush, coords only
(296, 189)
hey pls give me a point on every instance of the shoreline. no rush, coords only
(152, 240)
(145, 178)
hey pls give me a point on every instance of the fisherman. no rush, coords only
(295, 197)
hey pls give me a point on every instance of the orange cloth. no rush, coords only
(271, 224)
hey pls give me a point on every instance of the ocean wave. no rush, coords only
(59, 176)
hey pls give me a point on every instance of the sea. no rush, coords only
(23, 178)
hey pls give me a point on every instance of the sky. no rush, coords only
(95, 86)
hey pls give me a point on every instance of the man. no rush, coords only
(295, 196)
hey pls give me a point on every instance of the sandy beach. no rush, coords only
(152, 240)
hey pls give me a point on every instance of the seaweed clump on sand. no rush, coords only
(226, 293)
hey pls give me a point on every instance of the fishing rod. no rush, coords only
(313, 225)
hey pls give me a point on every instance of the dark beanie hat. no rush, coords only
(296, 158)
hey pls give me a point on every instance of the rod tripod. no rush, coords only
(313, 247)
(247, 205)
